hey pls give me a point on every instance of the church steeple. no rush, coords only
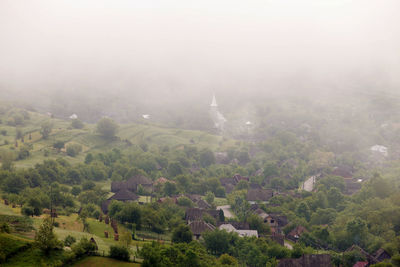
(214, 102)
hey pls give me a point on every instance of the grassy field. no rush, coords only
(92, 142)
(8, 210)
(103, 262)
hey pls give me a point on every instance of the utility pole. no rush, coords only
(51, 205)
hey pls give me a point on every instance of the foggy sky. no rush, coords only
(177, 48)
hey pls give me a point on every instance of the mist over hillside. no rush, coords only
(124, 59)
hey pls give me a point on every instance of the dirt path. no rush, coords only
(308, 185)
(227, 211)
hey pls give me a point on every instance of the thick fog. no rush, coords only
(166, 51)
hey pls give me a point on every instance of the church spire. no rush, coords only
(214, 102)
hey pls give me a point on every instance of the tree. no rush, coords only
(107, 128)
(334, 197)
(7, 158)
(119, 253)
(45, 239)
(69, 240)
(46, 129)
(182, 234)
(73, 150)
(77, 124)
(242, 185)
(170, 189)
(206, 158)
(303, 210)
(257, 223)
(89, 158)
(356, 230)
(76, 190)
(175, 169)
(59, 145)
(210, 197)
(218, 241)
(126, 239)
(184, 202)
(226, 260)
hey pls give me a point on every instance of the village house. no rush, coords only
(122, 195)
(352, 185)
(276, 222)
(371, 259)
(199, 227)
(381, 255)
(259, 195)
(132, 184)
(361, 264)
(312, 260)
(196, 214)
(296, 233)
(242, 233)
(229, 183)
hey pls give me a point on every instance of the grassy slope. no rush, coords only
(11, 244)
(103, 262)
(91, 142)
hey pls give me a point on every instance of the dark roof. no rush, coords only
(352, 186)
(124, 195)
(281, 219)
(196, 214)
(259, 194)
(198, 227)
(255, 186)
(361, 264)
(202, 204)
(227, 180)
(238, 178)
(228, 188)
(193, 214)
(297, 232)
(312, 260)
(237, 225)
(371, 259)
(116, 186)
(131, 184)
(381, 255)
(139, 179)
(194, 197)
(344, 172)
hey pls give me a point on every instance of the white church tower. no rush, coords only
(218, 119)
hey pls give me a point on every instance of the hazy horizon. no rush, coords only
(184, 49)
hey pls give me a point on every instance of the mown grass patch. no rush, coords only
(103, 262)
(7, 209)
(10, 245)
(34, 257)
(18, 223)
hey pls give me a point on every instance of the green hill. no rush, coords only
(28, 124)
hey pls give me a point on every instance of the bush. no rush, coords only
(69, 240)
(107, 128)
(3, 132)
(119, 253)
(76, 190)
(182, 234)
(73, 150)
(77, 124)
(84, 247)
(59, 145)
(5, 228)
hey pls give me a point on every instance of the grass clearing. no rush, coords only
(103, 262)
